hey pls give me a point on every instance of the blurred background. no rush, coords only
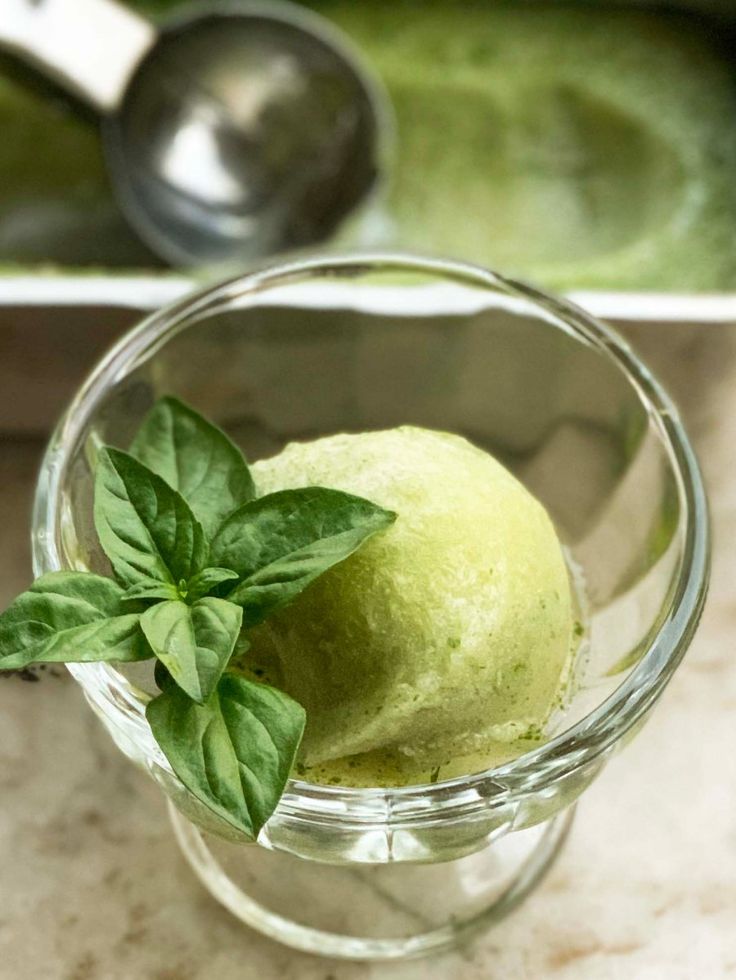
(584, 145)
(589, 147)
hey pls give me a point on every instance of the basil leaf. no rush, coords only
(235, 752)
(194, 642)
(69, 616)
(196, 458)
(206, 580)
(280, 543)
(146, 591)
(146, 528)
(63, 599)
(31, 641)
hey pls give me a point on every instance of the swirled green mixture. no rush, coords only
(582, 146)
(577, 145)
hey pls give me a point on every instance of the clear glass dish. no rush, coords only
(367, 342)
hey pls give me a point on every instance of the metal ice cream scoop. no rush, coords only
(233, 132)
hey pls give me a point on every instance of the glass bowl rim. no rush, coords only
(573, 748)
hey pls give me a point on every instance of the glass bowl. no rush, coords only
(367, 342)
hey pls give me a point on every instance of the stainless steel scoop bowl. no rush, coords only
(235, 132)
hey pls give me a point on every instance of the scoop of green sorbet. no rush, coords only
(444, 638)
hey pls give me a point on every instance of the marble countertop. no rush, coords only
(94, 888)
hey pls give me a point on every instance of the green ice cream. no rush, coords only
(581, 145)
(443, 643)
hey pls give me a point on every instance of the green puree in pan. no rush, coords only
(583, 147)
(579, 146)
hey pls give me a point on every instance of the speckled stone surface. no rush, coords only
(93, 886)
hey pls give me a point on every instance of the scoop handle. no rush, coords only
(89, 47)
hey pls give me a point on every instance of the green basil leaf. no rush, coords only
(206, 580)
(235, 752)
(146, 591)
(60, 618)
(56, 602)
(196, 458)
(194, 642)
(146, 528)
(63, 599)
(32, 641)
(282, 542)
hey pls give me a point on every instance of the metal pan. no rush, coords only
(54, 326)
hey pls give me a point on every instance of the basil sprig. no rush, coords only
(197, 560)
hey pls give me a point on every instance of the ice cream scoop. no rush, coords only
(231, 133)
(447, 636)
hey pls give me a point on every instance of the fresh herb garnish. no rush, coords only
(196, 458)
(278, 544)
(235, 752)
(69, 616)
(194, 642)
(198, 560)
(145, 527)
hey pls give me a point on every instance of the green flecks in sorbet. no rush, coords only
(412, 657)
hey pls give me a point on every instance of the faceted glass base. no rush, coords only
(367, 911)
